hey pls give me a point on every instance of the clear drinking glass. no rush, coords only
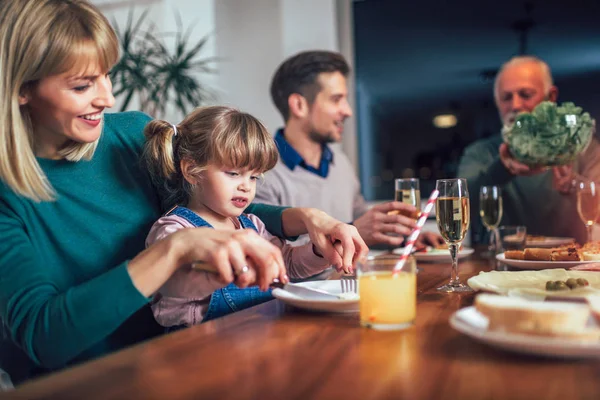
(407, 191)
(452, 214)
(588, 204)
(387, 299)
(512, 237)
(490, 211)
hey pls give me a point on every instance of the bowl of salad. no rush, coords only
(550, 135)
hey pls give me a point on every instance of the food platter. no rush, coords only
(527, 264)
(532, 284)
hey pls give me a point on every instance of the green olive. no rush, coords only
(572, 283)
(560, 285)
(550, 285)
(582, 282)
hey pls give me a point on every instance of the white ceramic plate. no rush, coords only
(308, 303)
(473, 324)
(525, 264)
(437, 255)
(549, 242)
(532, 284)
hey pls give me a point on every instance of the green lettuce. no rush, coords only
(550, 135)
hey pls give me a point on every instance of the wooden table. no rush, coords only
(275, 352)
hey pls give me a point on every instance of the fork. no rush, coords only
(349, 284)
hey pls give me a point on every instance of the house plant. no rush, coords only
(156, 74)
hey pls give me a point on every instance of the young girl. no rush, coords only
(209, 165)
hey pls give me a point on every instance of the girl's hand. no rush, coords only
(339, 243)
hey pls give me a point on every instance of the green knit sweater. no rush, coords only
(65, 293)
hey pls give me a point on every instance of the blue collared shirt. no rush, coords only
(291, 158)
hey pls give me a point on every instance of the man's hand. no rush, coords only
(429, 239)
(376, 224)
(564, 179)
(515, 167)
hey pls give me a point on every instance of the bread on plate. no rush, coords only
(550, 319)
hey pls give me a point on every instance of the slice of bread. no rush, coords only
(553, 318)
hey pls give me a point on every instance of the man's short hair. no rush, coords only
(518, 60)
(299, 74)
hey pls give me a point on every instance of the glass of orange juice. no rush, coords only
(388, 299)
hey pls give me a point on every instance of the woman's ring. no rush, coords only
(243, 271)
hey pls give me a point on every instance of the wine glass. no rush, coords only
(588, 204)
(452, 211)
(490, 211)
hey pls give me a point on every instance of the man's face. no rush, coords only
(520, 88)
(325, 120)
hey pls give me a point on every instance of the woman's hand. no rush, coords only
(228, 252)
(339, 243)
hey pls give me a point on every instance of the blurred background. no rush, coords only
(423, 71)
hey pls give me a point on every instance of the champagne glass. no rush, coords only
(490, 211)
(588, 204)
(452, 214)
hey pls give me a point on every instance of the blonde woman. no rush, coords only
(76, 204)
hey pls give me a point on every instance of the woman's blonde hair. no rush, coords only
(214, 135)
(38, 39)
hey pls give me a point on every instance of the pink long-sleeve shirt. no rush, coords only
(184, 298)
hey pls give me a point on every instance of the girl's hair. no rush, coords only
(209, 135)
(38, 39)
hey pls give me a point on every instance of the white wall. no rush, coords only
(250, 38)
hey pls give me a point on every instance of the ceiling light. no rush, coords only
(445, 121)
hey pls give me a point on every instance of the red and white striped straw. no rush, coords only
(415, 233)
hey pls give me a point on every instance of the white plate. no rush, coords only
(473, 324)
(307, 303)
(549, 242)
(526, 264)
(532, 284)
(437, 255)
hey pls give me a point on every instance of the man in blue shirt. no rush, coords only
(310, 91)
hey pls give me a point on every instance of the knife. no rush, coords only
(304, 291)
(299, 290)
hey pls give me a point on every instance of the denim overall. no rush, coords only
(230, 298)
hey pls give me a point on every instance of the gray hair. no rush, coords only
(518, 60)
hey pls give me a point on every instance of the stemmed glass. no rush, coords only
(452, 211)
(588, 204)
(490, 211)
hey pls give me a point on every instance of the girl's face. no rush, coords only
(68, 106)
(224, 191)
